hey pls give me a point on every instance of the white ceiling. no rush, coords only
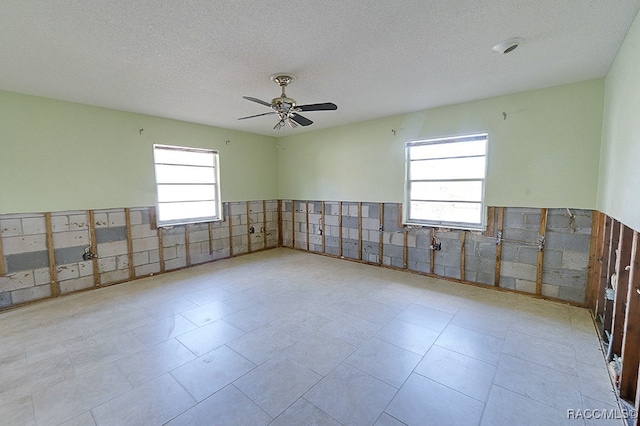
(193, 60)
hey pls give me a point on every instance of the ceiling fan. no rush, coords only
(286, 108)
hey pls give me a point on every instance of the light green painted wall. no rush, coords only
(619, 185)
(58, 156)
(545, 154)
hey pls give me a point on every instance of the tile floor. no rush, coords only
(290, 338)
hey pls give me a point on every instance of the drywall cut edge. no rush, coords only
(55, 287)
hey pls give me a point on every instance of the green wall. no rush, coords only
(619, 185)
(544, 154)
(58, 156)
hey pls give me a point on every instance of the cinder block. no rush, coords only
(114, 276)
(117, 218)
(526, 286)
(373, 210)
(565, 277)
(78, 222)
(485, 278)
(507, 282)
(330, 241)
(549, 290)
(24, 244)
(31, 293)
(68, 255)
(71, 239)
(140, 231)
(114, 248)
(75, 284)
(16, 281)
(151, 268)
(59, 223)
(238, 208)
(122, 262)
(85, 268)
(200, 236)
(135, 217)
(518, 270)
(33, 225)
(411, 240)
(10, 227)
(255, 207)
(144, 244)
(100, 220)
(452, 272)
(447, 258)
(27, 261)
(575, 260)
(178, 239)
(571, 294)
(514, 218)
(389, 250)
(106, 264)
(5, 299)
(141, 258)
(42, 276)
(67, 272)
(201, 258)
(397, 239)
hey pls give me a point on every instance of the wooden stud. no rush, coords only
(623, 260)
(405, 250)
(293, 224)
(603, 250)
(210, 238)
(491, 216)
(432, 253)
(359, 230)
(496, 279)
(127, 220)
(161, 249)
(542, 233)
(280, 224)
(340, 228)
(264, 224)
(592, 268)
(55, 287)
(306, 210)
(230, 230)
(3, 266)
(94, 249)
(248, 210)
(322, 229)
(400, 224)
(631, 339)
(186, 244)
(463, 237)
(153, 218)
(381, 238)
(608, 306)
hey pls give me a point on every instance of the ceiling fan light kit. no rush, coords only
(286, 108)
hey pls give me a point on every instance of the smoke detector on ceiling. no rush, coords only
(507, 46)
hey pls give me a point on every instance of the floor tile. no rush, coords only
(467, 375)
(507, 408)
(544, 384)
(18, 412)
(302, 412)
(408, 336)
(372, 311)
(208, 337)
(70, 398)
(143, 366)
(471, 343)
(350, 329)
(163, 330)
(155, 402)
(208, 313)
(211, 372)
(422, 401)
(384, 361)
(351, 396)
(251, 318)
(227, 407)
(299, 323)
(387, 420)
(110, 350)
(425, 317)
(320, 352)
(394, 298)
(208, 295)
(262, 343)
(491, 323)
(277, 384)
(84, 419)
(596, 384)
(542, 351)
(169, 308)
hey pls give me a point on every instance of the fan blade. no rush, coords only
(249, 98)
(303, 121)
(257, 115)
(327, 106)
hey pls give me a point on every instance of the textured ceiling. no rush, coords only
(193, 60)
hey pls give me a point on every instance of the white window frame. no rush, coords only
(206, 196)
(409, 219)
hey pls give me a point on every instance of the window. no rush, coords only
(187, 181)
(445, 181)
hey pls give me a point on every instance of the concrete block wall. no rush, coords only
(565, 254)
(25, 250)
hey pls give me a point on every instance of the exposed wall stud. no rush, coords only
(293, 224)
(631, 340)
(230, 230)
(432, 253)
(541, 239)
(264, 224)
(306, 216)
(491, 217)
(340, 229)
(322, 227)
(248, 210)
(603, 253)
(496, 280)
(94, 249)
(3, 266)
(359, 230)
(381, 237)
(400, 215)
(280, 223)
(210, 238)
(405, 250)
(623, 259)
(186, 244)
(611, 268)
(127, 218)
(161, 249)
(463, 237)
(55, 288)
(593, 269)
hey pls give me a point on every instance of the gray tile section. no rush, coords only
(69, 255)
(108, 235)
(27, 261)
